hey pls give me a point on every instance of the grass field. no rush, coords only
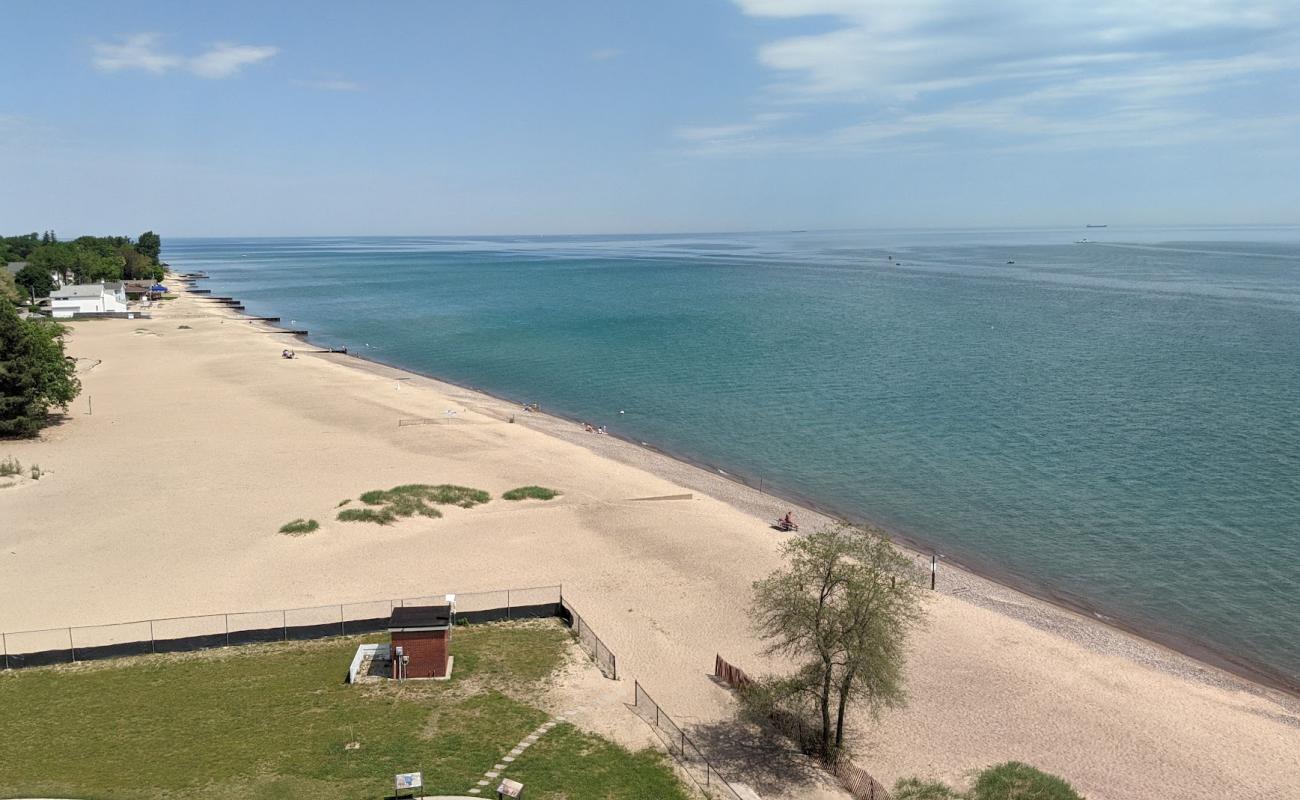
(272, 721)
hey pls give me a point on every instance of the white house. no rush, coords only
(88, 298)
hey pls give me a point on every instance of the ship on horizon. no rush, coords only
(1094, 226)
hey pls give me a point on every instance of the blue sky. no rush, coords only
(678, 115)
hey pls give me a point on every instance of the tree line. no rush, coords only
(37, 377)
(86, 259)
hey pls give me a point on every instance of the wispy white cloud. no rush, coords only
(330, 85)
(137, 51)
(144, 51)
(1108, 71)
(223, 60)
(605, 54)
(715, 133)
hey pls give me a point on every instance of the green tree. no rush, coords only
(136, 265)
(54, 258)
(35, 376)
(150, 245)
(35, 280)
(92, 265)
(9, 288)
(843, 607)
(17, 248)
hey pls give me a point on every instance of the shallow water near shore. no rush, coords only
(1112, 422)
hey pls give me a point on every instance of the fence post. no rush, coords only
(613, 663)
(683, 745)
(72, 645)
(507, 604)
(227, 616)
(151, 644)
(5, 640)
(284, 624)
(343, 631)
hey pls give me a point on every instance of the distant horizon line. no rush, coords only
(753, 231)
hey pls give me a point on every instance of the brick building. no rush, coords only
(423, 634)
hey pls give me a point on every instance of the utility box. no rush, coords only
(421, 634)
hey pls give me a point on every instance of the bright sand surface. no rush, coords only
(166, 501)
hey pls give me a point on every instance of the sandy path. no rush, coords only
(203, 442)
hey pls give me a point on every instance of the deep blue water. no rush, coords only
(1114, 422)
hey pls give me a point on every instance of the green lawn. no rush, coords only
(272, 721)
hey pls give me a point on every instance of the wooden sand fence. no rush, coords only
(853, 778)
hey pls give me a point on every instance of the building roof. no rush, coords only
(79, 290)
(420, 618)
(15, 267)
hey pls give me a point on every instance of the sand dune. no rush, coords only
(203, 441)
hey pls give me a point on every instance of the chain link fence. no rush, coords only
(605, 658)
(855, 779)
(692, 759)
(182, 634)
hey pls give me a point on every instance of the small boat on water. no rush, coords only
(1094, 226)
(1083, 241)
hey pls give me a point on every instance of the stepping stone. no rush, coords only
(483, 783)
(508, 759)
(492, 774)
(475, 790)
(498, 767)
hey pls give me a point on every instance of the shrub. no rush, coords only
(299, 527)
(530, 492)
(10, 466)
(382, 516)
(36, 472)
(1016, 781)
(915, 789)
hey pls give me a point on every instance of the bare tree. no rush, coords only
(842, 608)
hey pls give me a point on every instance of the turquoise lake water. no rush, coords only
(1116, 424)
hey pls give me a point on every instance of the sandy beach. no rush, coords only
(166, 501)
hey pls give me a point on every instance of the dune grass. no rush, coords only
(444, 494)
(411, 499)
(299, 527)
(383, 516)
(1014, 780)
(10, 466)
(274, 721)
(530, 492)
